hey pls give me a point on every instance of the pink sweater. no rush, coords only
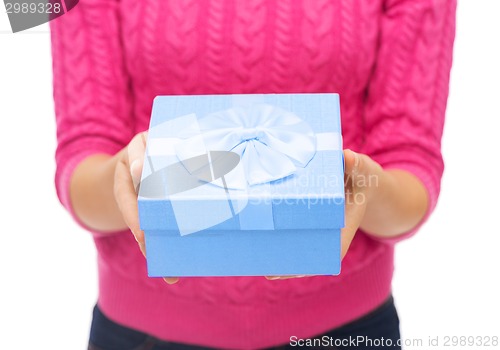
(388, 59)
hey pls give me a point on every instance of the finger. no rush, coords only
(142, 247)
(352, 162)
(136, 173)
(354, 215)
(135, 157)
(171, 280)
(347, 236)
(272, 278)
(126, 199)
(137, 146)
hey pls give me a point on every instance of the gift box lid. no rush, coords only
(243, 162)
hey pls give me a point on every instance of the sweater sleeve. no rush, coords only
(91, 93)
(408, 92)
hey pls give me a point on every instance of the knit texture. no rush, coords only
(389, 61)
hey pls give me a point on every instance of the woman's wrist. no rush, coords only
(396, 200)
(91, 193)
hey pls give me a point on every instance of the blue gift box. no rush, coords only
(243, 185)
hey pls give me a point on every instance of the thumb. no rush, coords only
(135, 153)
(352, 162)
(136, 172)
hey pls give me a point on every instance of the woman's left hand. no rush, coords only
(360, 176)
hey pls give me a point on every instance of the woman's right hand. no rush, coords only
(126, 184)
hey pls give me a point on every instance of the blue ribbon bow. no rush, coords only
(271, 142)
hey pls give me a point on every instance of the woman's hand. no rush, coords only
(127, 177)
(358, 168)
(126, 184)
(360, 181)
(383, 203)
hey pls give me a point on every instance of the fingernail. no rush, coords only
(356, 163)
(135, 167)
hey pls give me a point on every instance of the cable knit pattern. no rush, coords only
(388, 59)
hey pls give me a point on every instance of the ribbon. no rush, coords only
(272, 143)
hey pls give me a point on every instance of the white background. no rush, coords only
(447, 277)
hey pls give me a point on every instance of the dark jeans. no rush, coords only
(368, 331)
